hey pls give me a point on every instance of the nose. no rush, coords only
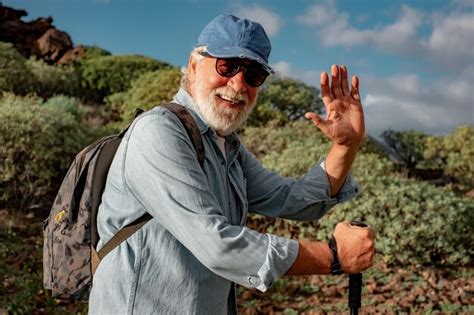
(237, 82)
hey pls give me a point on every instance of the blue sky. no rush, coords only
(415, 59)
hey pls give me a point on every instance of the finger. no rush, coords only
(335, 82)
(326, 94)
(344, 81)
(355, 88)
(318, 121)
(371, 233)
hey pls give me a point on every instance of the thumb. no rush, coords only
(318, 121)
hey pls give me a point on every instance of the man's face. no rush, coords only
(224, 102)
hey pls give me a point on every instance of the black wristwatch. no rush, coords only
(335, 264)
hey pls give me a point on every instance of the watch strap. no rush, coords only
(335, 264)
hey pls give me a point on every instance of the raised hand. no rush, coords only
(344, 123)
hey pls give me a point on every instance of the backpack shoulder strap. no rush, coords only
(193, 132)
(191, 127)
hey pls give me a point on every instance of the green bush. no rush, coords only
(283, 100)
(408, 146)
(52, 80)
(273, 139)
(416, 223)
(14, 73)
(111, 74)
(67, 104)
(454, 154)
(37, 143)
(150, 89)
(95, 52)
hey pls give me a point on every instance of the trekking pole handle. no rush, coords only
(355, 283)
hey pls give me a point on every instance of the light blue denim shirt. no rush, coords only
(188, 257)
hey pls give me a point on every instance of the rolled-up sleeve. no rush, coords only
(162, 172)
(307, 198)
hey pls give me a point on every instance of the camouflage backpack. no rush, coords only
(70, 231)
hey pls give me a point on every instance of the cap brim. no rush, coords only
(238, 52)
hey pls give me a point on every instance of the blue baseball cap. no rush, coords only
(228, 36)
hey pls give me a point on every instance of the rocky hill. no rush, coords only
(38, 38)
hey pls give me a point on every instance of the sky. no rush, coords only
(414, 59)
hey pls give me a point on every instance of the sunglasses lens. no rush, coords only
(227, 67)
(254, 74)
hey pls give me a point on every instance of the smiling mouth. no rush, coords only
(234, 101)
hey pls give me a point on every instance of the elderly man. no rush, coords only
(187, 259)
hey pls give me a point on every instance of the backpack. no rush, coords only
(70, 231)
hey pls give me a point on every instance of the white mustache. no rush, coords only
(229, 93)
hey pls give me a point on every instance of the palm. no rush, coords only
(344, 123)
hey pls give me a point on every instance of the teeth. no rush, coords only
(230, 99)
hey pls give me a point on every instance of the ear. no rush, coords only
(192, 66)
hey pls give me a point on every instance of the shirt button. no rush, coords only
(250, 280)
(253, 280)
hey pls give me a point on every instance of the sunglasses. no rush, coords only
(254, 73)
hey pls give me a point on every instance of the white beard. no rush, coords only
(222, 119)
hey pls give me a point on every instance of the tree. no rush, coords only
(454, 154)
(408, 146)
(105, 75)
(148, 90)
(14, 73)
(283, 100)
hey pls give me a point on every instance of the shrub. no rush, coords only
(408, 146)
(416, 223)
(95, 52)
(14, 74)
(111, 74)
(283, 100)
(67, 104)
(52, 80)
(37, 143)
(273, 139)
(150, 89)
(454, 154)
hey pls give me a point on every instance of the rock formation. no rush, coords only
(37, 38)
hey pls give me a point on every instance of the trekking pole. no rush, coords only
(355, 284)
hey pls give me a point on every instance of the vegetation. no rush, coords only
(407, 145)
(149, 90)
(454, 154)
(14, 73)
(403, 211)
(282, 100)
(106, 75)
(37, 141)
(53, 80)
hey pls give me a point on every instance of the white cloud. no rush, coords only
(321, 15)
(334, 29)
(450, 43)
(402, 102)
(452, 39)
(270, 21)
(310, 77)
(282, 67)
